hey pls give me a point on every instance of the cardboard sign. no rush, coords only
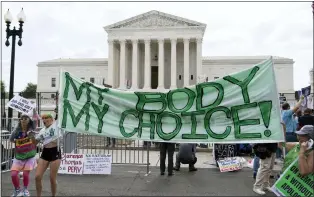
(229, 164)
(21, 104)
(292, 183)
(71, 164)
(97, 164)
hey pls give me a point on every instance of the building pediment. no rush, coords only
(154, 19)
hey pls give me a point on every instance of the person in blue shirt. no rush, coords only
(289, 120)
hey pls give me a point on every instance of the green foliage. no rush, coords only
(29, 91)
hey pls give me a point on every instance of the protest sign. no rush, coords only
(229, 164)
(238, 108)
(21, 104)
(292, 183)
(71, 164)
(47, 135)
(97, 164)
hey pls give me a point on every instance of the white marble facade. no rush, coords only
(156, 51)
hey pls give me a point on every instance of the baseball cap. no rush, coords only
(306, 130)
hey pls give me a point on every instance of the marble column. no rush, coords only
(186, 62)
(111, 69)
(199, 58)
(134, 64)
(161, 64)
(173, 63)
(122, 64)
(147, 69)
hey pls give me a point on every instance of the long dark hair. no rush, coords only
(30, 125)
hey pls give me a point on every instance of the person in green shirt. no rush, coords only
(304, 149)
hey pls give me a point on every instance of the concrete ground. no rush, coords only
(132, 180)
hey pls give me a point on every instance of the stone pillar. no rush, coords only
(161, 64)
(186, 62)
(111, 69)
(173, 63)
(199, 58)
(147, 69)
(134, 64)
(122, 64)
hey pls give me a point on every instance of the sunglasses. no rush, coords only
(24, 118)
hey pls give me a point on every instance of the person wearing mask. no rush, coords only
(164, 148)
(51, 155)
(304, 149)
(25, 152)
(186, 155)
(289, 121)
(306, 119)
(267, 153)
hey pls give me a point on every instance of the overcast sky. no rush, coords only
(75, 30)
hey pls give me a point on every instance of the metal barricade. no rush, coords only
(123, 152)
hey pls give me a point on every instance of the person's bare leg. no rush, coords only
(40, 170)
(54, 167)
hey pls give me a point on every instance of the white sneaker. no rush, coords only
(268, 189)
(26, 192)
(17, 193)
(259, 191)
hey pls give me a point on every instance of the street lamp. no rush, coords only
(14, 32)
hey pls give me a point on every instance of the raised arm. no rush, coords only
(297, 106)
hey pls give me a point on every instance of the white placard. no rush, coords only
(229, 164)
(21, 104)
(97, 164)
(71, 164)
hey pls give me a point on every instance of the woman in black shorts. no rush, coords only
(51, 154)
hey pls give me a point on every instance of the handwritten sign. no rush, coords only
(97, 164)
(292, 183)
(229, 164)
(71, 164)
(224, 150)
(21, 104)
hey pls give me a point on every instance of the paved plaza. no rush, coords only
(132, 180)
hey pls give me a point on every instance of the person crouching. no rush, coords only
(186, 155)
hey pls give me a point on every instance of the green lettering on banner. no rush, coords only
(123, 116)
(200, 93)
(67, 109)
(265, 108)
(77, 92)
(191, 96)
(238, 123)
(151, 124)
(210, 132)
(168, 136)
(148, 97)
(243, 84)
(193, 134)
(100, 114)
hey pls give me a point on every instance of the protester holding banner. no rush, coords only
(51, 155)
(288, 119)
(303, 149)
(25, 152)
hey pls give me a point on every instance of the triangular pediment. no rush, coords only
(154, 19)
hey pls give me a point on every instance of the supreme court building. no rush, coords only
(156, 51)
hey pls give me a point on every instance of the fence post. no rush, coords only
(148, 163)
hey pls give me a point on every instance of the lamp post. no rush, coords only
(13, 33)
